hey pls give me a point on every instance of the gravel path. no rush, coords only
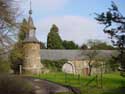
(46, 87)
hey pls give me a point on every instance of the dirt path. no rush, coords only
(46, 87)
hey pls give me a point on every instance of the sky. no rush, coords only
(74, 18)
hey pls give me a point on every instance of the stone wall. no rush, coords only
(32, 59)
(81, 67)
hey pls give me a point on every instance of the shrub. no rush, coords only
(14, 85)
(112, 64)
(4, 66)
(54, 65)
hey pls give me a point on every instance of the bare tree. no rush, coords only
(91, 56)
(8, 11)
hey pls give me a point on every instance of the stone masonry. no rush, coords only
(32, 59)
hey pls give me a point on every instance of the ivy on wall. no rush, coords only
(54, 65)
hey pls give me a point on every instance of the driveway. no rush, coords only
(48, 87)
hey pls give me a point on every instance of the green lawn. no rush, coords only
(110, 84)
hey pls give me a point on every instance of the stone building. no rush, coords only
(32, 58)
(77, 61)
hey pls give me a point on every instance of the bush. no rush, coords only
(54, 65)
(4, 66)
(14, 85)
(112, 64)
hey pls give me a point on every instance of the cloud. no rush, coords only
(76, 28)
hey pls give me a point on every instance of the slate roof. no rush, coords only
(73, 54)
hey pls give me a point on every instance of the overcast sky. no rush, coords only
(75, 18)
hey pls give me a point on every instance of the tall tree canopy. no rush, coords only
(54, 41)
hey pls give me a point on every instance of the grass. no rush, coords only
(110, 84)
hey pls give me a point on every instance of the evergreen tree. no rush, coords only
(54, 41)
(70, 45)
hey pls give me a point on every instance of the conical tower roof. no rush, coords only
(30, 20)
(30, 35)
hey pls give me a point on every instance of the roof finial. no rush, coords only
(30, 11)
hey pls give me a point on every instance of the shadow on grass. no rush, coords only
(120, 90)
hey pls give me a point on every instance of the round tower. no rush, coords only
(32, 61)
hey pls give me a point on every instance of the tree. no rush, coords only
(99, 45)
(54, 41)
(7, 22)
(84, 47)
(8, 12)
(114, 23)
(111, 64)
(42, 45)
(91, 56)
(16, 55)
(23, 30)
(70, 45)
(4, 64)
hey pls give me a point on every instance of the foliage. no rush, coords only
(8, 14)
(114, 23)
(54, 65)
(54, 41)
(7, 11)
(121, 60)
(84, 47)
(4, 66)
(70, 45)
(109, 18)
(16, 55)
(42, 45)
(99, 45)
(14, 85)
(23, 30)
(91, 56)
(112, 64)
